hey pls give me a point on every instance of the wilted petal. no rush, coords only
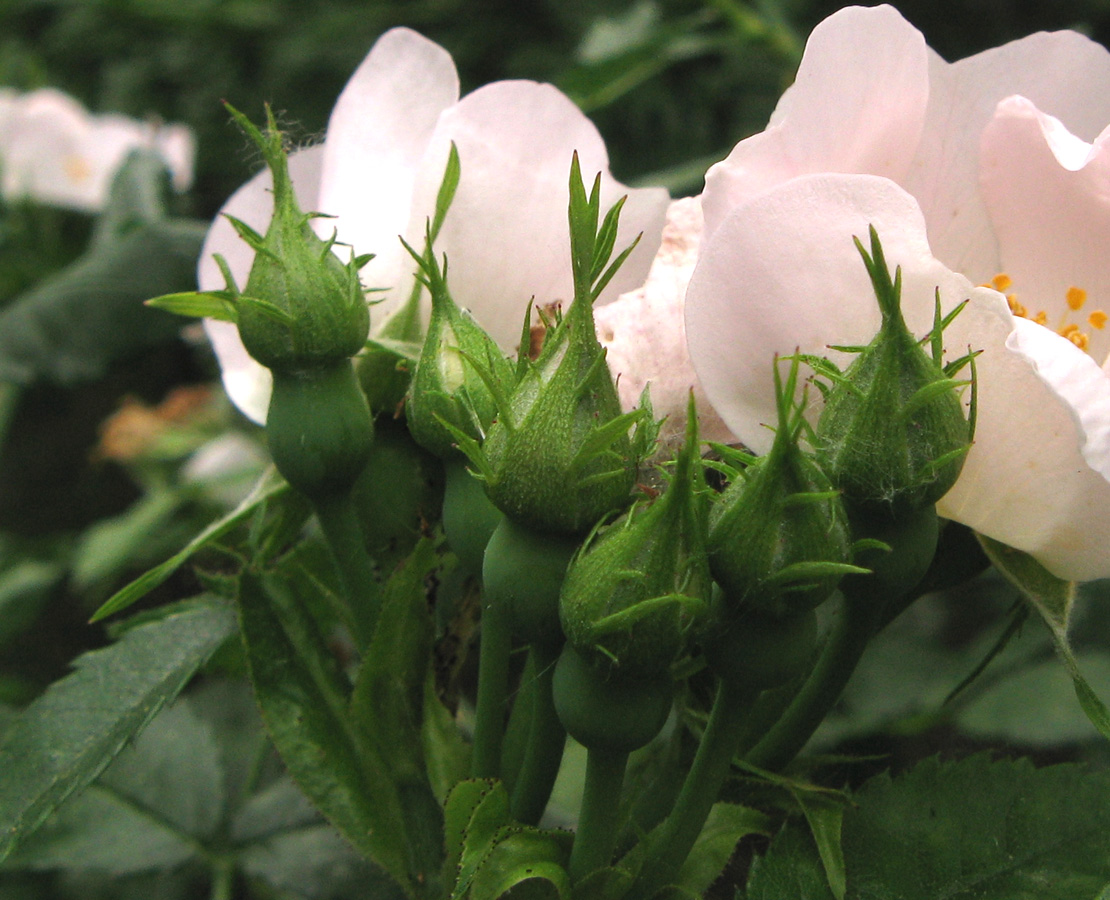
(247, 383)
(644, 333)
(1048, 195)
(506, 237)
(857, 105)
(1063, 73)
(376, 139)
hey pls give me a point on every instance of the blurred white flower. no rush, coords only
(379, 170)
(53, 151)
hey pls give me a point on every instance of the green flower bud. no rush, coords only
(301, 307)
(459, 370)
(559, 456)
(636, 588)
(778, 536)
(893, 432)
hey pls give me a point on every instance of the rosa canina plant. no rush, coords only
(971, 176)
(683, 623)
(379, 169)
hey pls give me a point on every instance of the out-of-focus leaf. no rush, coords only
(64, 739)
(316, 862)
(269, 486)
(106, 547)
(148, 811)
(70, 327)
(1053, 599)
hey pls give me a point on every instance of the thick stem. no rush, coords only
(546, 740)
(339, 522)
(599, 820)
(493, 686)
(853, 630)
(672, 842)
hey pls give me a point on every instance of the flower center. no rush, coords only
(1075, 299)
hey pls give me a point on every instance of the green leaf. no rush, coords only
(459, 808)
(269, 486)
(146, 812)
(791, 870)
(64, 739)
(980, 830)
(1053, 599)
(726, 825)
(526, 863)
(304, 694)
(388, 708)
(488, 820)
(196, 304)
(825, 818)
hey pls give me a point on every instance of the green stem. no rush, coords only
(519, 728)
(672, 842)
(340, 525)
(596, 836)
(493, 687)
(223, 880)
(853, 630)
(546, 740)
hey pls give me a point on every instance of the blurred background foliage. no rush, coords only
(94, 480)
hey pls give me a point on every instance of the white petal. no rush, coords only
(377, 136)
(644, 333)
(247, 383)
(1063, 73)
(1048, 195)
(857, 105)
(1032, 479)
(506, 237)
(782, 273)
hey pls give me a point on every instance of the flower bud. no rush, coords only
(301, 307)
(459, 369)
(893, 433)
(634, 591)
(559, 456)
(778, 537)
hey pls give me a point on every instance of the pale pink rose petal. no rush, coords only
(376, 139)
(1064, 73)
(1028, 481)
(857, 105)
(1048, 196)
(782, 273)
(644, 333)
(506, 237)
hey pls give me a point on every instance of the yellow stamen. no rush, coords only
(1016, 308)
(1097, 319)
(1079, 339)
(1041, 318)
(1001, 281)
(1076, 297)
(1068, 330)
